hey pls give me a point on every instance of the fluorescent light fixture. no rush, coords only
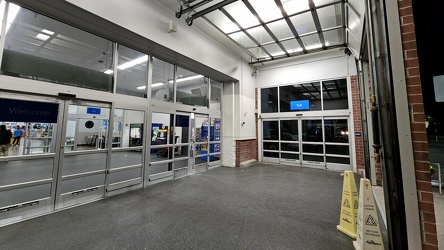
(141, 87)
(48, 32)
(133, 62)
(187, 78)
(157, 84)
(109, 71)
(13, 11)
(42, 36)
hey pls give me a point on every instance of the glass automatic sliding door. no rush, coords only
(82, 167)
(313, 142)
(183, 161)
(28, 167)
(270, 144)
(337, 145)
(203, 130)
(289, 142)
(162, 148)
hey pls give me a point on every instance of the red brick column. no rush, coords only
(417, 123)
(357, 122)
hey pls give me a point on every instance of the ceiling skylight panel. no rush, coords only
(322, 2)
(274, 49)
(242, 39)
(295, 6)
(303, 23)
(242, 14)
(258, 53)
(267, 9)
(330, 16)
(280, 29)
(260, 34)
(333, 37)
(292, 46)
(222, 22)
(311, 42)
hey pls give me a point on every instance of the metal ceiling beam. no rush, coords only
(317, 23)
(276, 40)
(344, 22)
(337, 87)
(210, 9)
(245, 32)
(192, 7)
(308, 91)
(290, 25)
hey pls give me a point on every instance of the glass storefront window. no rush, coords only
(269, 100)
(270, 130)
(192, 89)
(336, 130)
(300, 97)
(128, 128)
(41, 48)
(216, 89)
(312, 130)
(162, 84)
(335, 94)
(132, 72)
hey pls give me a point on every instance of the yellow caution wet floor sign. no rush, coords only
(349, 208)
(369, 233)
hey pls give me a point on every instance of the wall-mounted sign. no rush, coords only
(94, 111)
(300, 105)
(26, 111)
(358, 134)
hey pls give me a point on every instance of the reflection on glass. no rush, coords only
(125, 175)
(132, 72)
(313, 148)
(271, 154)
(337, 149)
(336, 130)
(182, 135)
(335, 94)
(87, 128)
(14, 172)
(161, 135)
(75, 164)
(44, 49)
(290, 156)
(216, 95)
(202, 133)
(192, 89)
(82, 183)
(300, 97)
(313, 158)
(294, 147)
(216, 124)
(162, 85)
(21, 195)
(289, 130)
(160, 168)
(269, 100)
(312, 130)
(128, 128)
(340, 160)
(271, 146)
(270, 130)
(126, 158)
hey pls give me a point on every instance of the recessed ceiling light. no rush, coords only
(42, 36)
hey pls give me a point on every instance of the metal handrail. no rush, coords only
(439, 176)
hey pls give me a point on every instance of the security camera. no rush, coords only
(256, 71)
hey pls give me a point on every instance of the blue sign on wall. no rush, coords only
(300, 105)
(94, 111)
(25, 111)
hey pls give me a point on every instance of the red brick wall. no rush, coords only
(245, 150)
(359, 143)
(419, 136)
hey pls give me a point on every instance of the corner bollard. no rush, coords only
(369, 231)
(349, 208)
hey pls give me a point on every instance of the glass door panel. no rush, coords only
(127, 150)
(182, 140)
(270, 144)
(162, 146)
(312, 142)
(289, 141)
(337, 145)
(203, 132)
(28, 166)
(83, 165)
(215, 139)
